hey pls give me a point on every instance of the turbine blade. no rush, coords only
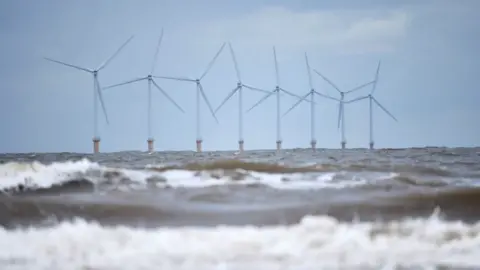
(208, 102)
(123, 83)
(326, 96)
(156, 52)
(261, 100)
(359, 87)
(68, 65)
(100, 97)
(255, 89)
(384, 109)
(328, 81)
(340, 113)
(376, 78)
(309, 71)
(297, 103)
(227, 98)
(167, 96)
(104, 64)
(210, 65)
(232, 53)
(174, 78)
(357, 99)
(277, 76)
(293, 95)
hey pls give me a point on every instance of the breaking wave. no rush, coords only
(317, 242)
(84, 175)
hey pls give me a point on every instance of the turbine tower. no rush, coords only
(151, 81)
(372, 100)
(311, 93)
(239, 89)
(341, 107)
(276, 91)
(97, 94)
(200, 94)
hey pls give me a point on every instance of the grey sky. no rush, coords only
(429, 53)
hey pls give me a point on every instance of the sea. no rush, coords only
(415, 208)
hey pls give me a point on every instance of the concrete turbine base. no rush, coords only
(199, 146)
(96, 144)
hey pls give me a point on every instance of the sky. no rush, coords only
(428, 76)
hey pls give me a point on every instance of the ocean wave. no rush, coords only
(28, 177)
(82, 175)
(317, 242)
(237, 164)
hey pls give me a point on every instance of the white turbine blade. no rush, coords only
(156, 52)
(293, 95)
(115, 54)
(167, 96)
(340, 113)
(261, 100)
(277, 76)
(232, 53)
(255, 89)
(326, 96)
(376, 78)
(309, 72)
(227, 98)
(359, 87)
(328, 81)
(297, 103)
(175, 78)
(123, 83)
(208, 102)
(357, 99)
(68, 65)
(210, 65)
(100, 97)
(384, 109)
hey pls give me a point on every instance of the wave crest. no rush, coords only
(83, 174)
(317, 241)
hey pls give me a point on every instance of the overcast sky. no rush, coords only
(428, 78)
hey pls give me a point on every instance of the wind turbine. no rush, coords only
(372, 100)
(311, 93)
(200, 94)
(239, 89)
(97, 94)
(341, 107)
(276, 91)
(151, 81)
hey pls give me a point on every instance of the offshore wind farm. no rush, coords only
(278, 91)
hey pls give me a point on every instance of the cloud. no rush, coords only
(335, 31)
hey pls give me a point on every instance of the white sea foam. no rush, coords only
(38, 175)
(319, 242)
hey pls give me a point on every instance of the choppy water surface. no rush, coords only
(332, 209)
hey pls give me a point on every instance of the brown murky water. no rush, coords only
(258, 188)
